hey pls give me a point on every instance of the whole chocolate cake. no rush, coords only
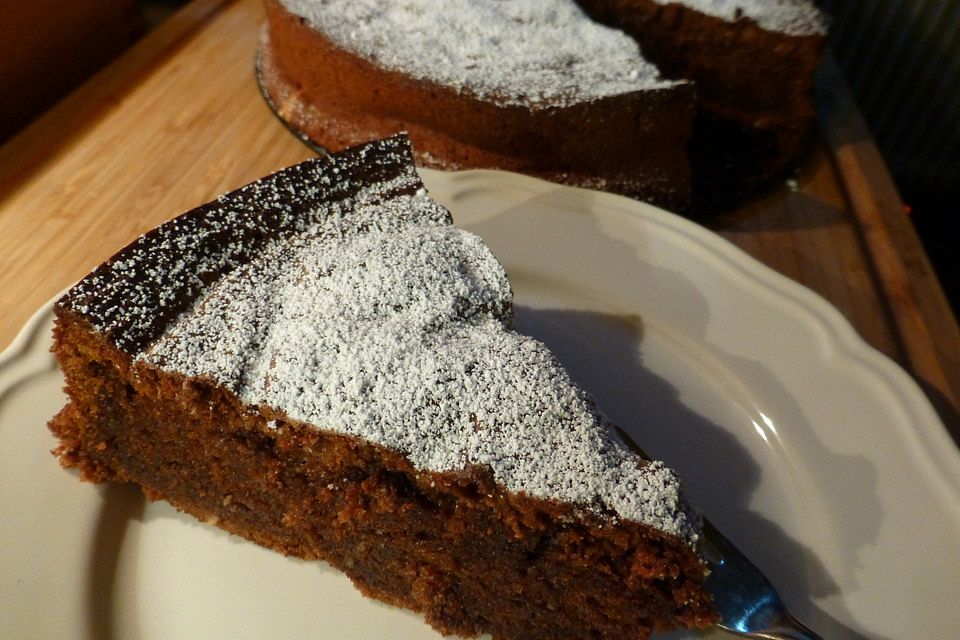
(320, 362)
(534, 87)
(715, 100)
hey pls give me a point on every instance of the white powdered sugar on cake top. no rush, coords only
(511, 52)
(374, 317)
(790, 17)
(402, 338)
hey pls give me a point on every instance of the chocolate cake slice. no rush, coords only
(533, 87)
(322, 363)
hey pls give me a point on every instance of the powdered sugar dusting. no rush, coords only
(791, 17)
(511, 52)
(373, 316)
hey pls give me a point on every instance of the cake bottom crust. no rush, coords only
(456, 547)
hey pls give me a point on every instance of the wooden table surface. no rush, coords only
(178, 120)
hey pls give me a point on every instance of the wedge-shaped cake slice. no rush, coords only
(322, 363)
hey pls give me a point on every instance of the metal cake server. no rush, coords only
(747, 603)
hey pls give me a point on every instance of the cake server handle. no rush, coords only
(748, 604)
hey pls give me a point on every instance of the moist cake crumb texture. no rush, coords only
(353, 304)
(513, 52)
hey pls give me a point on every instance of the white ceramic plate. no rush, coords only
(813, 452)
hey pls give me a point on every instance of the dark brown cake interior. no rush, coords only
(754, 90)
(456, 547)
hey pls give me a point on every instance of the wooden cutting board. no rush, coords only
(179, 119)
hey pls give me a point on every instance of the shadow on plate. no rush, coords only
(122, 504)
(600, 350)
